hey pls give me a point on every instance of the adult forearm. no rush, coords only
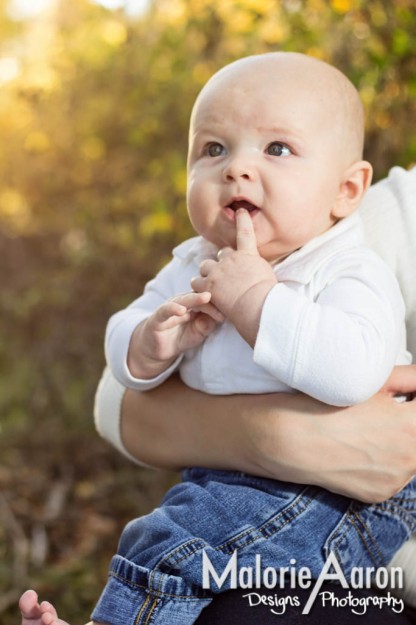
(174, 426)
(367, 452)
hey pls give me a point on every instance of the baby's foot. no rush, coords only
(34, 613)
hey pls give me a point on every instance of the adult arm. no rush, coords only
(367, 452)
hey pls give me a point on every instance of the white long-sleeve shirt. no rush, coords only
(332, 327)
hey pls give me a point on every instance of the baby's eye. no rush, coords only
(278, 149)
(214, 149)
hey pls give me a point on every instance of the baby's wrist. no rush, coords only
(145, 368)
(246, 310)
(142, 359)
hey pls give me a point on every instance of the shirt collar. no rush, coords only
(301, 265)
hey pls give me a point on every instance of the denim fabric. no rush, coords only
(156, 577)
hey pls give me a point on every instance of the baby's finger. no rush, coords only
(204, 324)
(245, 235)
(168, 310)
(224, 252)
(198, 284)
(206, 266)
(176, 310)
(192, 299)
(211, 311)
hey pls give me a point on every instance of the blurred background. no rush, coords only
(94, 105)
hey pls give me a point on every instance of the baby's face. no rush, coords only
(268, 146)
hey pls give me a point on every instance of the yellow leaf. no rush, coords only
(273, 31)
(93, 148)
(172, 12)
(14, 210)
(201, 72)
(155, 223)
(383, 119)
(114, 33)
(343, 6)
(37, 141)
(180, 181)
(258, 6)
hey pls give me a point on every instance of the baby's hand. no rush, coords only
(181, 323)
(240, 280)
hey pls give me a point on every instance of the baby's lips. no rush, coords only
(235, 205)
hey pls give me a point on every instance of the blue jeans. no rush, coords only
(157, 576)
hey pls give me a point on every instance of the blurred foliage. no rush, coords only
(93, 137)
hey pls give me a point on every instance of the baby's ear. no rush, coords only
(354, 183)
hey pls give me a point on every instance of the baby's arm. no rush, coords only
(179, 324)
(339, 347)
(161, 323)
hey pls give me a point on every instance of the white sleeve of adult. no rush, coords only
(388, 213)
(123, 323)
(340, 348)
(107, 412)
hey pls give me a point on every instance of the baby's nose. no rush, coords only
(239, 167)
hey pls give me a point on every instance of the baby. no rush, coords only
(284, 298)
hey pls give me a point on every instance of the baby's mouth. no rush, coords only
(248, 206)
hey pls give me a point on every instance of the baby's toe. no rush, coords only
(28, 604)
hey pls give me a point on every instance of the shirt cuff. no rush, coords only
(139, 384)
(117, 346)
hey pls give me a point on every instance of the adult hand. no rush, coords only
(377, 458)
(366, 451)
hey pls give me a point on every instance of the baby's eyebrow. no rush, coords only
(283, 133)
(289, 131)
(206, 135)
(207, 127)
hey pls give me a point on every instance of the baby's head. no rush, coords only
(280, 134)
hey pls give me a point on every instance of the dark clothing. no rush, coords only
(232, 608)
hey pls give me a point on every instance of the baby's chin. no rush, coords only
(220, 241)
(273, 255)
